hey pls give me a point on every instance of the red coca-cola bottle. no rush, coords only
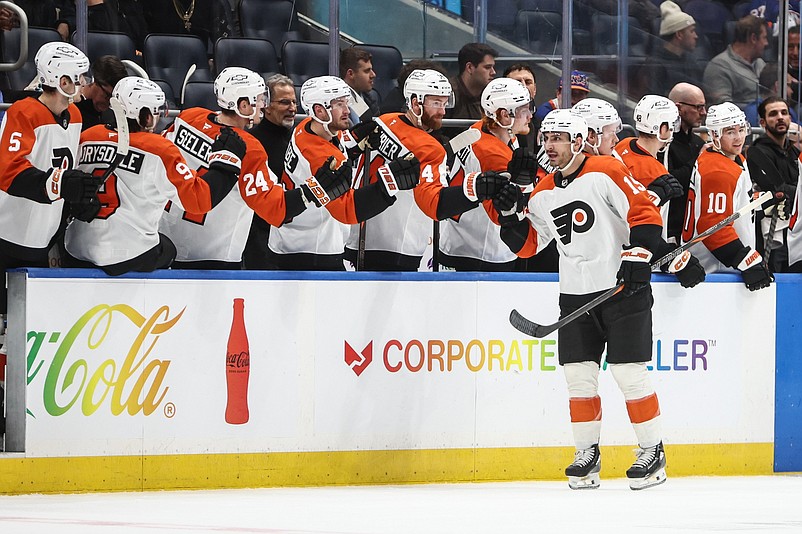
(238, 368)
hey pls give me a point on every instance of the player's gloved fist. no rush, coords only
(72, 185)
(85, 211)
(484, 185)
(664, 188)
(329, 182)
(635, 272)
(400, 174)
(227, 151)
(753, 270)
(687, 268)
(522, 167)
(509, 203)
(366, 134)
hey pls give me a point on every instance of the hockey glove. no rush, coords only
(522, 167)
(227, 152)
(509, 203)
(484, 185)
(85, 211)
(400, 174)
(329, 182)
(664, 188)
(687, 268)
(753, 270)
(635, 272)
(72, 185)
(366, 134)
(783, 202)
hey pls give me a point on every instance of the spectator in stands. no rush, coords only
(274, 132)
(684, 148)
(672, 62)
(394, 101)
(643, 10)
(769, 86)
(774, 166)
(121, 16)
(579, 91)
(207, 19)
(524, 74)
(94, 106)
(477, 66)
(733, 74)
(40, 13)
(356, 69)
(793, 62)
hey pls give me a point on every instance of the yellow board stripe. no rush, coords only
(208, 471)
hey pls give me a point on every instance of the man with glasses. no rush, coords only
(774, 166)
(273, 132)
(94, 107)
(684, 148)
(720, 185)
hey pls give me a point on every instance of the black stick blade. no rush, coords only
(524, 325)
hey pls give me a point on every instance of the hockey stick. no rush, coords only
(142, 73)
(768, 245)
(123, 137)
(530, 328)
(189, 74)
(459, 142)
(360, 253)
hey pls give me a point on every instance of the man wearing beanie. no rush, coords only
(671, 63)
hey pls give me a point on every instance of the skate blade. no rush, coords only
(655, 479)
(591, 481)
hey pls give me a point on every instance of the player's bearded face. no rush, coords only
(339, 114)
(434, 109)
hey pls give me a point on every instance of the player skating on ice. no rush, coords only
(607, 230)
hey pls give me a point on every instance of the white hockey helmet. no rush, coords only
(423, 82)
(504, 93)
(235, 83)
(57, 59)
(597, 113)
(135, 93)
(564, 120)
(724, 116)
(322, 90)
(653, 111)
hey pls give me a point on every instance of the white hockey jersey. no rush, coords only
(590, 216)
(133, 197)
(220, 235)
(475, 234)
(794, 238)
(31, 137)
(719, 187)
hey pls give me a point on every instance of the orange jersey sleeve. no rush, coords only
(642, 165)
(257, 185)
(432, 156)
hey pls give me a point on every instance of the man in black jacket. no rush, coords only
(684, 149)
(773, 166)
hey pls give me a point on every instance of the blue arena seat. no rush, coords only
(169, 57)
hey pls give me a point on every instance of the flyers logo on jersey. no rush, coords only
(575, 216)
(192, 143)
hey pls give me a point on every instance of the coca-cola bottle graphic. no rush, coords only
(238, 368)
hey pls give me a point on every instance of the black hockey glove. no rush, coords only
(227, 151)
(329, 182)
(664, 188)
(522, 167)
(509, 203)
(484, 185)
(400, 174)
(366, 134)
(85, 211)
(73, 185)
(687, 268)
(635, 272)
(783, 202)
(753, 270)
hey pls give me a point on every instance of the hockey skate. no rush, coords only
(583, 473)
(649, 469)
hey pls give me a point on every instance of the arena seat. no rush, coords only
(258, 55)
(199, 95)
(18, 79)
(303, 60)
(274, 20)
(109, 44)
(169, 57)
(539, 31)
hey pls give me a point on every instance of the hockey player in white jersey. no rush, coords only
(124, 235)
(471, 241)
(607, 230)
(38, 155)
(217, 239)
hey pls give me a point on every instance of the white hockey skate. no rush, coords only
(649, 469)
(583, 473)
